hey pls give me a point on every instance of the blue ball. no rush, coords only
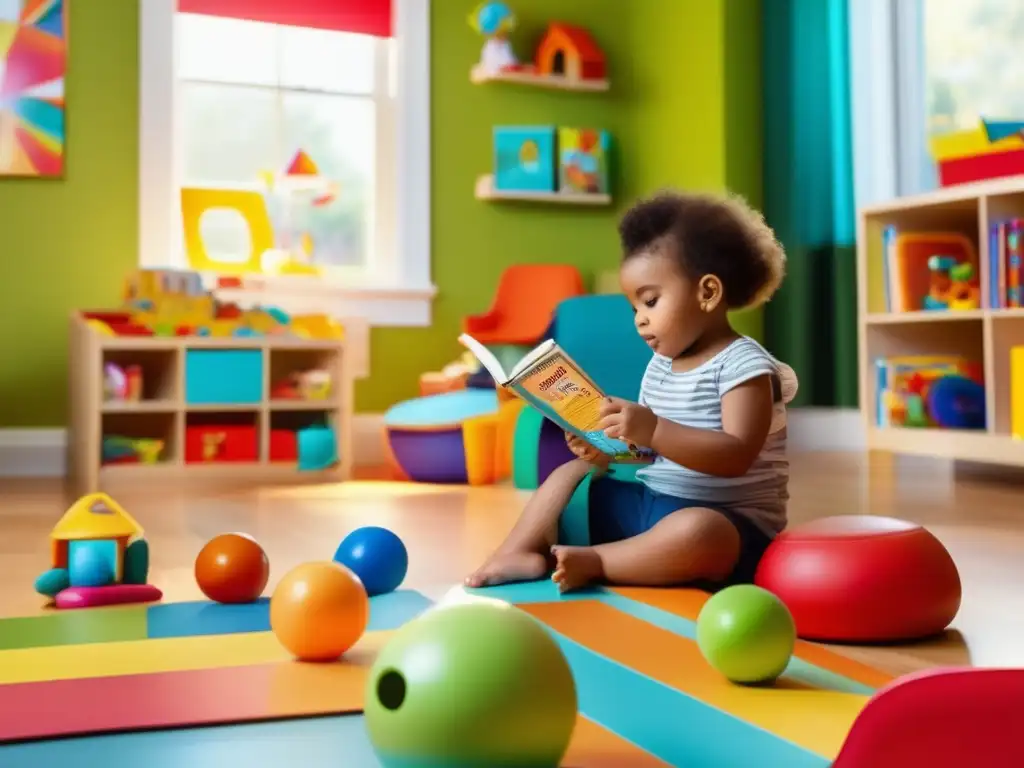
(377, 556)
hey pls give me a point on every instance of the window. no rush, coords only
(357, 105)
(251, 97)
(972, 62)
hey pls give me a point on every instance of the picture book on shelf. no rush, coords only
(551, 381)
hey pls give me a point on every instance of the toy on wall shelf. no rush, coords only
(567, 57)
(117, 449)
(98, 557)
(495, 21)
(524, 159)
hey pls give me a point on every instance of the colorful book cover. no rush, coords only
(1015, 263)
(995, 301)
(1001, 264)
(888, 256)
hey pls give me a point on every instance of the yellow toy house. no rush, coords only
(97, 556)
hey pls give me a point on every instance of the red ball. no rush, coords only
(860, 579)
(232, 568)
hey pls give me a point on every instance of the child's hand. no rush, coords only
(581, 449)
(629, 422)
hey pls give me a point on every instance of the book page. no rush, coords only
(557, 385)
(485, 356)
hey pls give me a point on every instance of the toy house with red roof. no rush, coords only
(570, 52)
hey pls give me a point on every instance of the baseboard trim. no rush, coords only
(41, 452)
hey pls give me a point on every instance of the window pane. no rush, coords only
(226, 50)
(972, 61)
(327, 61)
(229, 133)
(337, 132)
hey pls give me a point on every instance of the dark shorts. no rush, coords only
(621, 509)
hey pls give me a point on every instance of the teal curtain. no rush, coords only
(811, 323)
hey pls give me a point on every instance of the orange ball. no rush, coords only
(319, 610)
(232, 568)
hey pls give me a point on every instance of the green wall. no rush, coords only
(684, 110)
(67, 243)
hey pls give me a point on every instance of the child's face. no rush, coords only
(667, 303)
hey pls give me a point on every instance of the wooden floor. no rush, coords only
(449, 529)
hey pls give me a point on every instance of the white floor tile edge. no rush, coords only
(40, 452)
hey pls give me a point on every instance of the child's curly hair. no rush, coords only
(709, 234)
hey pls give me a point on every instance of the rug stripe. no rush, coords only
(140, 657)
(815, 720)
(388, 611)
(96, 625)
(687, 604)
(175, 699)
(672, 610)
(311, 743)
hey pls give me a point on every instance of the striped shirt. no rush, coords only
(694, 399)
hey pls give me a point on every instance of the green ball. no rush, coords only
(476, 684)
(746, 633)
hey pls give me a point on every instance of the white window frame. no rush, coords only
(403, 295)
(887, 71)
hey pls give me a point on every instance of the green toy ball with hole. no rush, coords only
(746, 633)
(475, 684)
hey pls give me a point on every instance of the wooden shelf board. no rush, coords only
(948, 195)
(924, 316)
(485, 191)
(303, 405)
(173, 343)
(959, 444)
(214, 471)
(222, 407)
(478, 76)
(162, 405)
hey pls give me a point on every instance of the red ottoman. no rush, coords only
(859, 579)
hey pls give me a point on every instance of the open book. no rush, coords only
(549, 380)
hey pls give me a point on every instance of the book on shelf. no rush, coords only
(551, 381)
(1006, 264)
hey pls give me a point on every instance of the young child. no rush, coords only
(711, 406)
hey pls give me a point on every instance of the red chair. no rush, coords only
(524, 304)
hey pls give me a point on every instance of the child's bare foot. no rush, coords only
(509, 566)
(575, 567)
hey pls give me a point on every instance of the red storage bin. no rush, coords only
(221, 443)
(284, 445)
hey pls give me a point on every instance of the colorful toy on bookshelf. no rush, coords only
(929, 270)
(992, 149)
(495, 21)
(953, 285)
(122, 383)
(303, 385)
(941, 391)
(583, 160)
(549, 159)
(118, 449)
(162, 302)
(98, 557)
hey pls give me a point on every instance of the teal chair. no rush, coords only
(598, 333)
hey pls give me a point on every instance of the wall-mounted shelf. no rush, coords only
(478, 76)
(485, 191)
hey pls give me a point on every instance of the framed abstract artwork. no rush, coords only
(33, 62)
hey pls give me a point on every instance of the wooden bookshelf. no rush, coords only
(165, 410)
(986, 334)
(479, 76)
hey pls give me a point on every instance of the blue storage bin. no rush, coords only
(223, 376)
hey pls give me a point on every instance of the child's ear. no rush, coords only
(710, 292)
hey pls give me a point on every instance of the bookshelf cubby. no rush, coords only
(986, 334)
(210, 404)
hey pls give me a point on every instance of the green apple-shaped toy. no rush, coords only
(746, 633)
(475, 684)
